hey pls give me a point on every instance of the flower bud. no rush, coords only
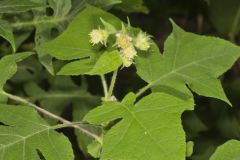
(129, 52)
(126, 61)
(128, 55)
(98, 36)
(142, 41)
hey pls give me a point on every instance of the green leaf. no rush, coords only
(228, 21)
(228, 151)
(43, 32)
(74, 44)
(151, 129)
(103, 3)
(3, 99)
(132, 6)
(108, 61)
(24, 133)
(12, 6)
(188, 59)
(95, 149)
(7, 33)
(8, 66)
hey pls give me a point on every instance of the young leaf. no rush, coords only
(11, 6)
(24, 133)
(7, 33)
(108, 61)
(8, 66)
(228, 151)
(188, 59)
(151, 129)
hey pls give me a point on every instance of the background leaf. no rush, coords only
(8, 66)
(7, 33)
(227, 22)
(11, 6)
(103, 3)
(132, 6)
(62, 93)
(44, 33)
(228, 151)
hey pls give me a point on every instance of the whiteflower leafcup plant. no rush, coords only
(142, 125)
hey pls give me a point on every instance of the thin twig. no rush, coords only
(51, 115)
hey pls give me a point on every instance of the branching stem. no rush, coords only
(51, 115)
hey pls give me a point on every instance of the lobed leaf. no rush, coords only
(188, 59)
(24, 135)
(150, 129)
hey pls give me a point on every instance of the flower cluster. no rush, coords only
(126, 44)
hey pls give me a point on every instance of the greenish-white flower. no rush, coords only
(142, 41)
(128, 55)
(126, 61)
(98, 36)
(129, 52)
(123, 40)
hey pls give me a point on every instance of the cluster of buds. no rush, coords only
(126, 44)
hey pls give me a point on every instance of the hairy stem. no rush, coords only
(105, 88)
(51, 115)
(38, 22)
(112, 84)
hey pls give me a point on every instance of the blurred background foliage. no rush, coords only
(211, 123)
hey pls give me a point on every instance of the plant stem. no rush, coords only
(38, 22)
(51, 115)
(112, 84)
(105, 88)
(142, 90)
